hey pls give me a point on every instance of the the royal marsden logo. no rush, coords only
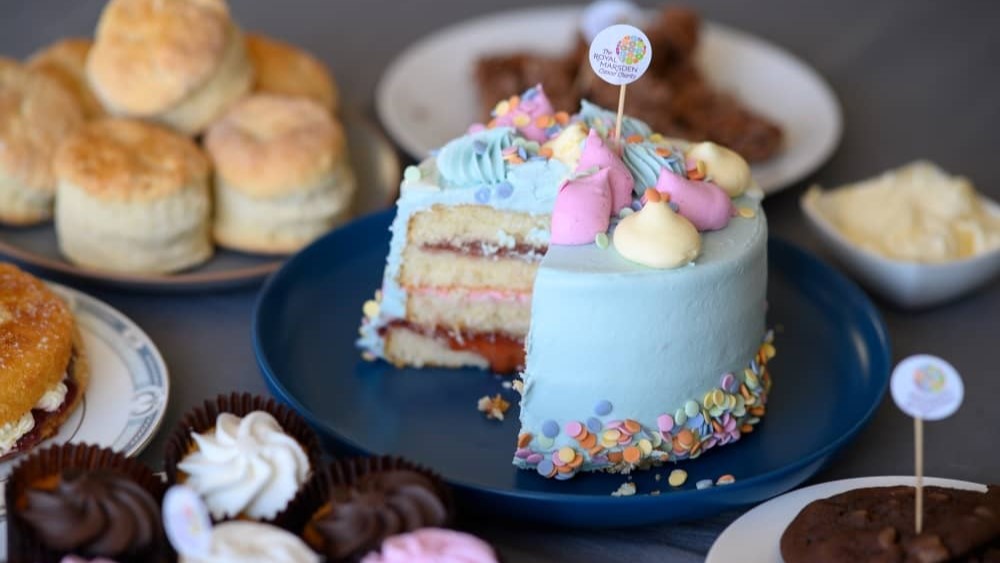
(929, 378)
(631, 49)
(620, 54)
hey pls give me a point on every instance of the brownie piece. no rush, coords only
(877, 524)
(673, 96)
(502, 76)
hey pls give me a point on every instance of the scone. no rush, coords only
(65, 61)
(179, 62)
(132, 197)
(43, 368)
(36, 112)
(281, 68)
(281, 174)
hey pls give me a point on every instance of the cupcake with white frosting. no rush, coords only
(242, 541)
(247, 457)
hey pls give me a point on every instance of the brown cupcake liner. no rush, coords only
(23, 544)
(202, 419)
(345, 473)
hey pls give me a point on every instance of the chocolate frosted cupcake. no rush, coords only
(248, 457)
(362, 501)
(84, 501)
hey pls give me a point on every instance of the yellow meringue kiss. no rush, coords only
(656, 236)
(567, 146)
(726, 168)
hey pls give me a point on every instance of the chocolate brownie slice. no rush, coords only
(877, 524)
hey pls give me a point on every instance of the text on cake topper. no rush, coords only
(926, 387)
(620, 54)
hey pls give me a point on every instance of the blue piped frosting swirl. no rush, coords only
(604, 121)
(475, 159)
(645, 164)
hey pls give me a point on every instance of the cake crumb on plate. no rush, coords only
(494, 407)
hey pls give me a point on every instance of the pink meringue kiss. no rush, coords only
(703, 203)
(433, 545)
(597, 153)
(524, 117)
(582, 209)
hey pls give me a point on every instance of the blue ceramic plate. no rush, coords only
(830, 374)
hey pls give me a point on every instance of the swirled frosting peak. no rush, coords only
(246, 466)
(530, 113)
(727, 168)
(582, 209)
(379, 505)
(703, 203)
(646, 159)
(603, 120)
(96, 513)
(475, 159)
(433, 545)
(242, 541)
(597, 153)
(657, 237)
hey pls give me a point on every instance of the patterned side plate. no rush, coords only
(127, 395)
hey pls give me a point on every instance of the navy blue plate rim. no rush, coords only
(817, 458)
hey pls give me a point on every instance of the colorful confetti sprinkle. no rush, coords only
(412, 174)
(677, 477)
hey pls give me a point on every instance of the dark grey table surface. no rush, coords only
(915, 79)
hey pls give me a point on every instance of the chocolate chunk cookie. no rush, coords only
(877, 524)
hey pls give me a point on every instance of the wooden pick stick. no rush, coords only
(918, 437)
(621, 113)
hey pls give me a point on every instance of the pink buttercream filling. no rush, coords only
(433, 545)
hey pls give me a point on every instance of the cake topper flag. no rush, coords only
(186, 521)
(925, 387)
(620, 54)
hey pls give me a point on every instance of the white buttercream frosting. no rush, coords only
(246, 466)
(11, 432)
(52, 399)
(242, 541)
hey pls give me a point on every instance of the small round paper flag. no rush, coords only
(620, 54)
(926, 387)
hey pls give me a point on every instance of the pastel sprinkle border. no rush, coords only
(722, 416)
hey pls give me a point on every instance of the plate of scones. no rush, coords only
(200, 174)
(72, 369)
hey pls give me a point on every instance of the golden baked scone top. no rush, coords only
(286, 69)
(36, 113)
(149, 54)
(269, 144)
(36, 339)
(126, 159)
(66, 60)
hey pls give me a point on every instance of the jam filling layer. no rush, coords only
(505, 353)
(34, 436)
(520, 251)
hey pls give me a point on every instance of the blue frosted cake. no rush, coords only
(624, 280)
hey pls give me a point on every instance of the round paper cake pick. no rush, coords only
(925, 387)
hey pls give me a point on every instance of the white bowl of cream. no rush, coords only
(914, 235)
